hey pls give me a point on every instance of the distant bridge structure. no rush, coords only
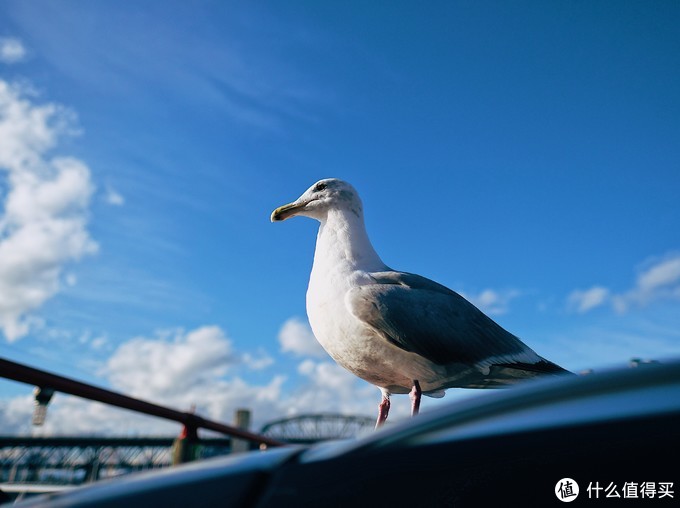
(34, 464)
(76, 460)
(311, 428)
(44, 464)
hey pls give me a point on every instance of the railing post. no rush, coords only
(242, 421)
(92, 469)
(42, 396)
(185, 447)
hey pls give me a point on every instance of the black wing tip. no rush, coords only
(540, 367)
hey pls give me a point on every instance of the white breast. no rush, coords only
(343, 259)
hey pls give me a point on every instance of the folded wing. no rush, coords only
(421, 316)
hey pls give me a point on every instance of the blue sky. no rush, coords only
(526, 155)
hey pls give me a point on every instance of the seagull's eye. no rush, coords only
(319, 187)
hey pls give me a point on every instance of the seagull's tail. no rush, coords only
(540, 368)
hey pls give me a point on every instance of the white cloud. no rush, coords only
(157, 368)
(658, 280)
(257, 361)
(113, 197)
(216, 399)
(44, 224)
(583, 301)
(99, 342)
(196, 368)
(71, 279)
(183, 368)
(296, 337)
(491, 301)
(15, 414)
(176, 369)
(12, 50)
(330, 388)
(67, 415)
(326, 374)
(660, 276)
(199, 368)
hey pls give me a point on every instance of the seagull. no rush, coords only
(399, 331)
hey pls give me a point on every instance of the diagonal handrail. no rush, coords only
(30, 375)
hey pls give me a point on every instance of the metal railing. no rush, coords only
(46, 381)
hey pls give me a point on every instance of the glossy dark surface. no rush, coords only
(510, 448)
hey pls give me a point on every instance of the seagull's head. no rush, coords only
(319, 199)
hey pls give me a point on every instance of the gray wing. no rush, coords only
(421, 316)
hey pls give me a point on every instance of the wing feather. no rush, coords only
(424, 317)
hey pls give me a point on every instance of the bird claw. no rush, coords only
(414, 395)
(383, 411)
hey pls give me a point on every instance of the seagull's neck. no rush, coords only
(342, 243)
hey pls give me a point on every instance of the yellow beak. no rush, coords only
(286, 211)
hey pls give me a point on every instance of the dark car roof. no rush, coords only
(609, 395)
(508, 431)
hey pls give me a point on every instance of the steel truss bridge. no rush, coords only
(311, 428)
(40, 464)
(75, 460)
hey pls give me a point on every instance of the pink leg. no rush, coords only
(383, 411)
(415, 397)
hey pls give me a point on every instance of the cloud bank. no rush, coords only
(297, 338)
(198, 368)
(658, 280)
(43, 226)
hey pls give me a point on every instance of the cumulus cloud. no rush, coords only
(12, 50)
(257, 361)
(659, 279)
(583, 301)
(326, 374)
(44, 223)
(491, 301)
(155, 368)
(67, 415)
(296, 337)
(178, 369)
(330, 388)
(16, 413)
(199, 368)
(181, 370)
